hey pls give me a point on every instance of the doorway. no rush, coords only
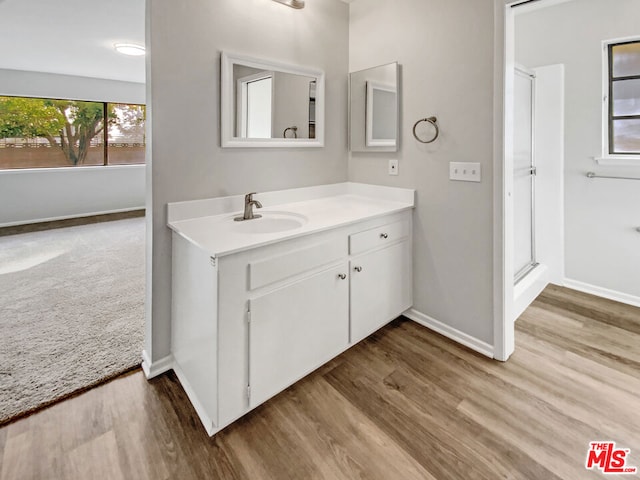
(533, 179)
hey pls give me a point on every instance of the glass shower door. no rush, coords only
(524, 174)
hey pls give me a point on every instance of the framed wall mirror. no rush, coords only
(270, 104)
(374, 109)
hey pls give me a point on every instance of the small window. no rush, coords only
(126, 135)
(48, 133)
(624, 98)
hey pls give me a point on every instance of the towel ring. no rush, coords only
(293, 129)
(433, 121)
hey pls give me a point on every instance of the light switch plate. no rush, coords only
(465, 171)
(393, 167)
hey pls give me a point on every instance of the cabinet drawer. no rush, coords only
(378, 237)
(279, 267)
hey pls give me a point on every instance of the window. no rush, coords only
(624, 98)
(44, 132)
(126, 135)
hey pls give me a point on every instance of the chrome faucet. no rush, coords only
(249, 203)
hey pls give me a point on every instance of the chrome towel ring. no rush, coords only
(433, 121)
(293, 129)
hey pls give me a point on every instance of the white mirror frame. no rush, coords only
(227, 99)
(370, 141)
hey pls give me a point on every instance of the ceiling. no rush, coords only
(73, 37)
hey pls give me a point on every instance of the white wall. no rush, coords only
(446, 50)
(35, 195)
(21, 83)
(601, 244)
(549, 161)
(184, 40)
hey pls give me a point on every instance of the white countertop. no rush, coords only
(218, 234)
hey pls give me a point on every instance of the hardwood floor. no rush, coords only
(404, 404)
(69, 222)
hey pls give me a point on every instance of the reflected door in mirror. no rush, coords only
(254, 106)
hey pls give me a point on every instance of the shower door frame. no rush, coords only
(524, 271)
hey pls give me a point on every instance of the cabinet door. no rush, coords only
(381, 288)
(295, 329)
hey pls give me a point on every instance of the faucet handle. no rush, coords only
(249, 196)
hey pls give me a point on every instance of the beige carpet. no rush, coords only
(71, 310)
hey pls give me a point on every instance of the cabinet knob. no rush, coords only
(384, 235)
(342, 276)
(357, 269)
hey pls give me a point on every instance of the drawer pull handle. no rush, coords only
(357, 269)
(342, 276)
(384, 235)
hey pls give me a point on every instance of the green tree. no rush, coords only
(128, 121)
(67, 124)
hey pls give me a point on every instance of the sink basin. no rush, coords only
(270, 222)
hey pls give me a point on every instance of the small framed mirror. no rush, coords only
(270, 104)
(374, 109)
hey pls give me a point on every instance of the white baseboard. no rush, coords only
(208, 424)
(602, 292)
(153, 369)
(450, 332)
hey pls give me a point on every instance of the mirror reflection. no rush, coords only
(270, 104)
(374, 109)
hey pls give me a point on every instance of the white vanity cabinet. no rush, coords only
(381, 283)
(248, 324)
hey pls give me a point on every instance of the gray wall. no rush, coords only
(34, 195)
(601, 244)
(185, 40)
(446, 50)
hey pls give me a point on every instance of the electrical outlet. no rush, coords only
(393, 167)
(465, 171)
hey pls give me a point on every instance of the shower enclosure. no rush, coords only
(524, 173)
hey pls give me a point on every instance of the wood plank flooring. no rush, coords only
(404, 404)
(69, 222)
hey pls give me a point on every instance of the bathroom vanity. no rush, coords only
(259, 304)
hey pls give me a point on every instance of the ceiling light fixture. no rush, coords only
(292, 3)
(130, 49)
